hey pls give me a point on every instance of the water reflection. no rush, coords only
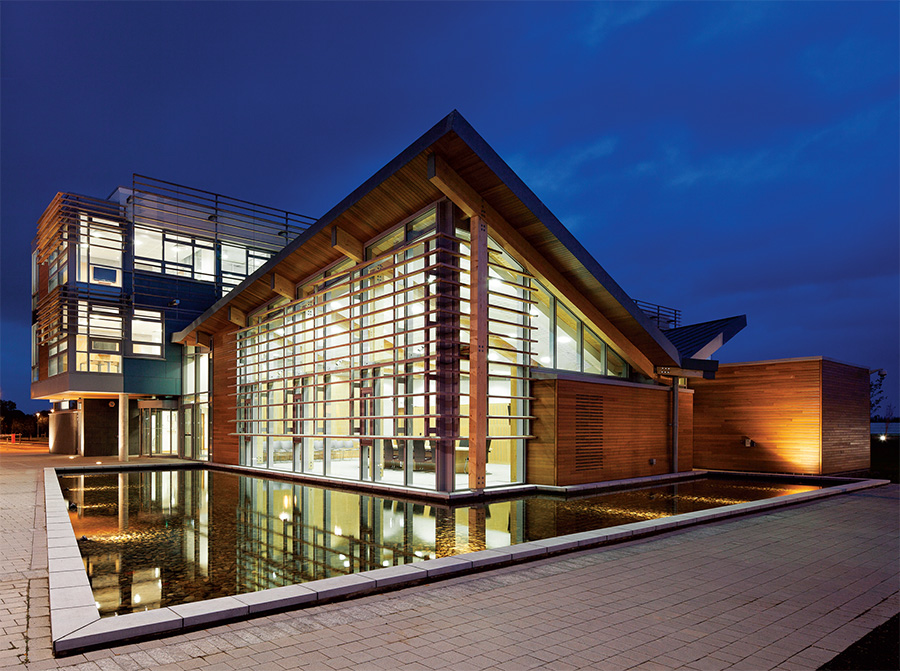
(152, 539)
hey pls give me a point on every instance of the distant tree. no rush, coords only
(13, 420)
(7, 413)
(24, 424)
(876, 396)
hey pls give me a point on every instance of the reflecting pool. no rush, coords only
(151, 539)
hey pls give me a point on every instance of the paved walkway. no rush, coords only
(784, 590)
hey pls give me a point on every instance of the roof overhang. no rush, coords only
(406, 185)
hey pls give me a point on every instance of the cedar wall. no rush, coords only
(845, 418)
(596, 431)
(224, 445)
(785, 408)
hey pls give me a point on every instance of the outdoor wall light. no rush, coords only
(882, 437)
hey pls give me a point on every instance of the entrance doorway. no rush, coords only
(159, 432)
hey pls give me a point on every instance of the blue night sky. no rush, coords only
(721, 158)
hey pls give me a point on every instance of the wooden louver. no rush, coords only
(588, 432)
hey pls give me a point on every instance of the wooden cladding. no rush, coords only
(793, 416)
(588, 432)
(845, 418)
(224, 443)
(596, 431)
(61, 221)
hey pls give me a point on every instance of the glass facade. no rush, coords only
(157, 250)
(195, 380)
(565, 342)
(364, 376)
(342, 381)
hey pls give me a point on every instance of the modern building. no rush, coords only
(438, 330)
(112, 279)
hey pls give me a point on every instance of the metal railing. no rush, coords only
(665, 317)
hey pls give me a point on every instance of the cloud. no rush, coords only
(564, 172)
(855, 63)
(807, 153)
(734, 18)
(607, 17)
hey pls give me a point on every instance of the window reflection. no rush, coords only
(153, 539)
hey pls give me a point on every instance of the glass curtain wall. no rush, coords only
(510, 339)
(342, 381)
(195, 402)
(365, 374)
(562, 341)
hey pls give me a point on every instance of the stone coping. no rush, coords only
(463, 497)
(76, 623)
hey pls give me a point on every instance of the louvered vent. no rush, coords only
(588, 433)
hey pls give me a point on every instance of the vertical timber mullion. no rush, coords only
(447, 365)
(478, 354)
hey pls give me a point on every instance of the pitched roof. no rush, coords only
(703, 339)
(402, 187)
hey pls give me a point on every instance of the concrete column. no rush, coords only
(80, 428)
(123, 427)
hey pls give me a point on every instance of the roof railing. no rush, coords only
(665, 317)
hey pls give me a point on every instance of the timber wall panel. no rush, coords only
(685, 430)
(224, 445)
(845, 417)
(776, 404)
(540, 465)
(636, 427)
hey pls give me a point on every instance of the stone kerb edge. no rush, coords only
(94, 631)
(71, 600)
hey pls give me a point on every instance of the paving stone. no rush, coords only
(815, 575)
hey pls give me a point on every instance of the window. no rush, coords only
(568, 339)
(572, 344)
(147, 329)
(35, 280)
(99, 339)
(34, 353)
(57, 267)
(99, 251)
(159, 251)
(195, 401)
(238, 262)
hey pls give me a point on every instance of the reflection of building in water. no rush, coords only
(160, 538)
(146, 536)
(289, 533)
(152, 537)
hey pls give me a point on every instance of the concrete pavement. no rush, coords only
(788, 589)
